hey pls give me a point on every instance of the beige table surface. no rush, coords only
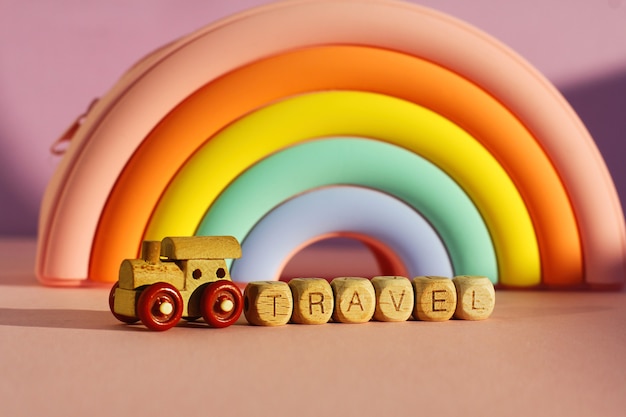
(540, 354)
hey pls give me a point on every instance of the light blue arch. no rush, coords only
(292, 224)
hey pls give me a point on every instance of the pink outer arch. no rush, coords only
(115, 127)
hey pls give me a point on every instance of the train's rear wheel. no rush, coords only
(160, 306)
(120, 317)
(222, 303)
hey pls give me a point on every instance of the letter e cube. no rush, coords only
(435, 298)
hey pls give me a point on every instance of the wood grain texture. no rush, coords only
(151, 251)
(268, 303)
(476, 297)
(394, 298)
(201, 247)
(313, 300)
(435, 298)
(354, 299)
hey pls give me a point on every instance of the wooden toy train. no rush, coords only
(187, 277)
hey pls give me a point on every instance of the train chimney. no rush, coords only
(151, 251)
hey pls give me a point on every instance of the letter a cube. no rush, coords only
(267, 303)
(354, 299)
(313, 300)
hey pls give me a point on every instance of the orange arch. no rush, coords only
(233, 95)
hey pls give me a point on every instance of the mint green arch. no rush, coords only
(362, 162)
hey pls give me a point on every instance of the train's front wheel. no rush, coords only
(222, 303)
(160, 306)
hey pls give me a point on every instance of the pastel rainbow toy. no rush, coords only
(453, 153)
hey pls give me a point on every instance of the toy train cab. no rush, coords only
(179, 277)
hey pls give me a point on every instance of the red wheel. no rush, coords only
(160, 306)
(222, 303)
(120, 317)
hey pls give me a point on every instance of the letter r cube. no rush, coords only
(313, 300)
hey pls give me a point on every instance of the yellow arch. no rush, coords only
(309, 116)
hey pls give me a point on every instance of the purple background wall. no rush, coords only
(56, 56)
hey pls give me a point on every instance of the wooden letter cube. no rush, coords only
(313, 300)
(354, 299)
(435, 298)
(476, 297)
(267, 303)
(394, 298)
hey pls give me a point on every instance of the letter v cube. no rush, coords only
(394, 298)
